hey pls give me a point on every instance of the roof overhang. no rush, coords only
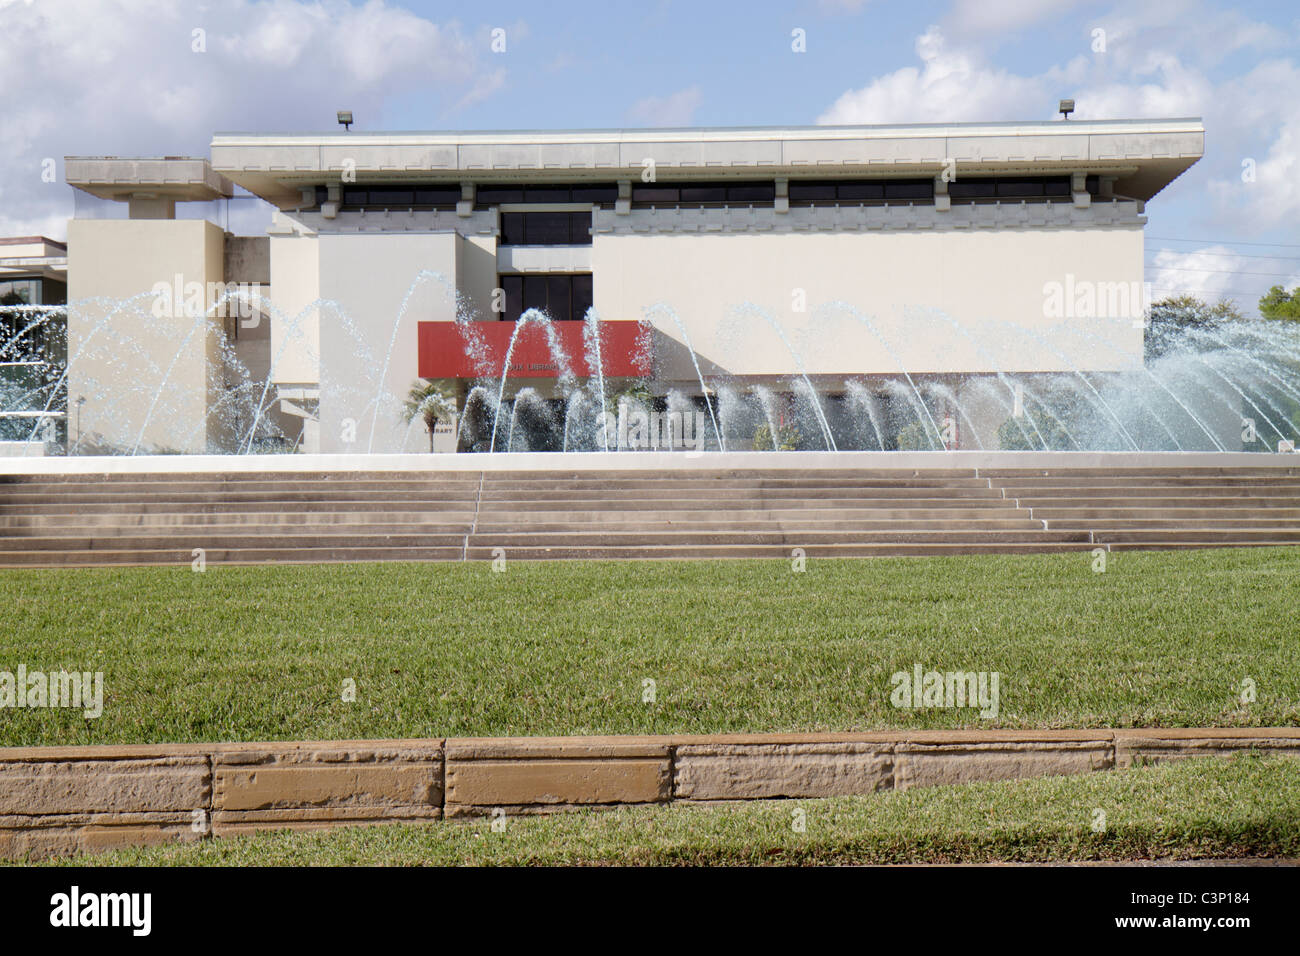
(178, 178)
(45, 267)
(1144, 155)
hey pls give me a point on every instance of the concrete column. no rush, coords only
(333, 200)
(1079, 191)
(150, 206)
(465, 208)
(782, 194)
(942, 201)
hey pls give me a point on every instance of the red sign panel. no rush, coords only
(478, 349)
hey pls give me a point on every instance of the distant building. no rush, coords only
(958, 247)
(33, 399)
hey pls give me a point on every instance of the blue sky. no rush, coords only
(124, 77)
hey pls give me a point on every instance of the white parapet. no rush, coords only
(642, 461)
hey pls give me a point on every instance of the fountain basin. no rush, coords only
(644, 461)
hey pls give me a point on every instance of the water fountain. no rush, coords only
(1234, 386)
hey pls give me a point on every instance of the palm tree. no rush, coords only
(428, 401)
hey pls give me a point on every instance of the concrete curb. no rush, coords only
(65, 800)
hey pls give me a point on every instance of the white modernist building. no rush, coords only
(778, 257)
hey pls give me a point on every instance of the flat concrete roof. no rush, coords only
(1145, 155)
(181, 178)
(32, 257)
(32, 241)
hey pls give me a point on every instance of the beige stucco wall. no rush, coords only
(476, 274)
(369, 358)
(904, 282)
(148, 378)
(295, 326)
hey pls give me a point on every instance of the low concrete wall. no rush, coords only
(643, 461)
(65, 800)
(22, 449)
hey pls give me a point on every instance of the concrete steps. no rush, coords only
(309, 517)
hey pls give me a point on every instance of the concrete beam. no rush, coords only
(178, 179)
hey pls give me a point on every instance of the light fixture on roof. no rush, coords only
(345, 119)
(1066, 108)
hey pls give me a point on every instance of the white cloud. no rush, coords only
(950, 84)
(1160, 60)
(121, 77)
(675, 109)
(986, 17)
(1218, 272)
(1260, 118)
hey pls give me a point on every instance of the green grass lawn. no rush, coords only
(255, 653)
(1204, 808)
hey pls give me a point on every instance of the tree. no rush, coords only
(914, 436)
(1043, 432)
(787, 437)
(430, 402)
(1277, 303)
(1171, 318)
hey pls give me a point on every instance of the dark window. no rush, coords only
(562, 296)
(856, 191)
(546, 228)
(513, 286)
(535, 292)
(447, 195)
(437, 196)
(1019, 189)
(751, 192)
(913, 189)
(702, 194)
(1012, 188)
(580, 228)
(21, 292)
(595, 194)
(973, 189)
(512, 229)
(492, 194)
(655, 194)
(546, 194)
(812, 192)
(395, 197)
(56, 292)
(495, 195)
(581, 295)
(860, 192)
(559, 303)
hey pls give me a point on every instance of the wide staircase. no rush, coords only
(126, 519)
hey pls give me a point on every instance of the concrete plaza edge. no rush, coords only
(637, 461)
